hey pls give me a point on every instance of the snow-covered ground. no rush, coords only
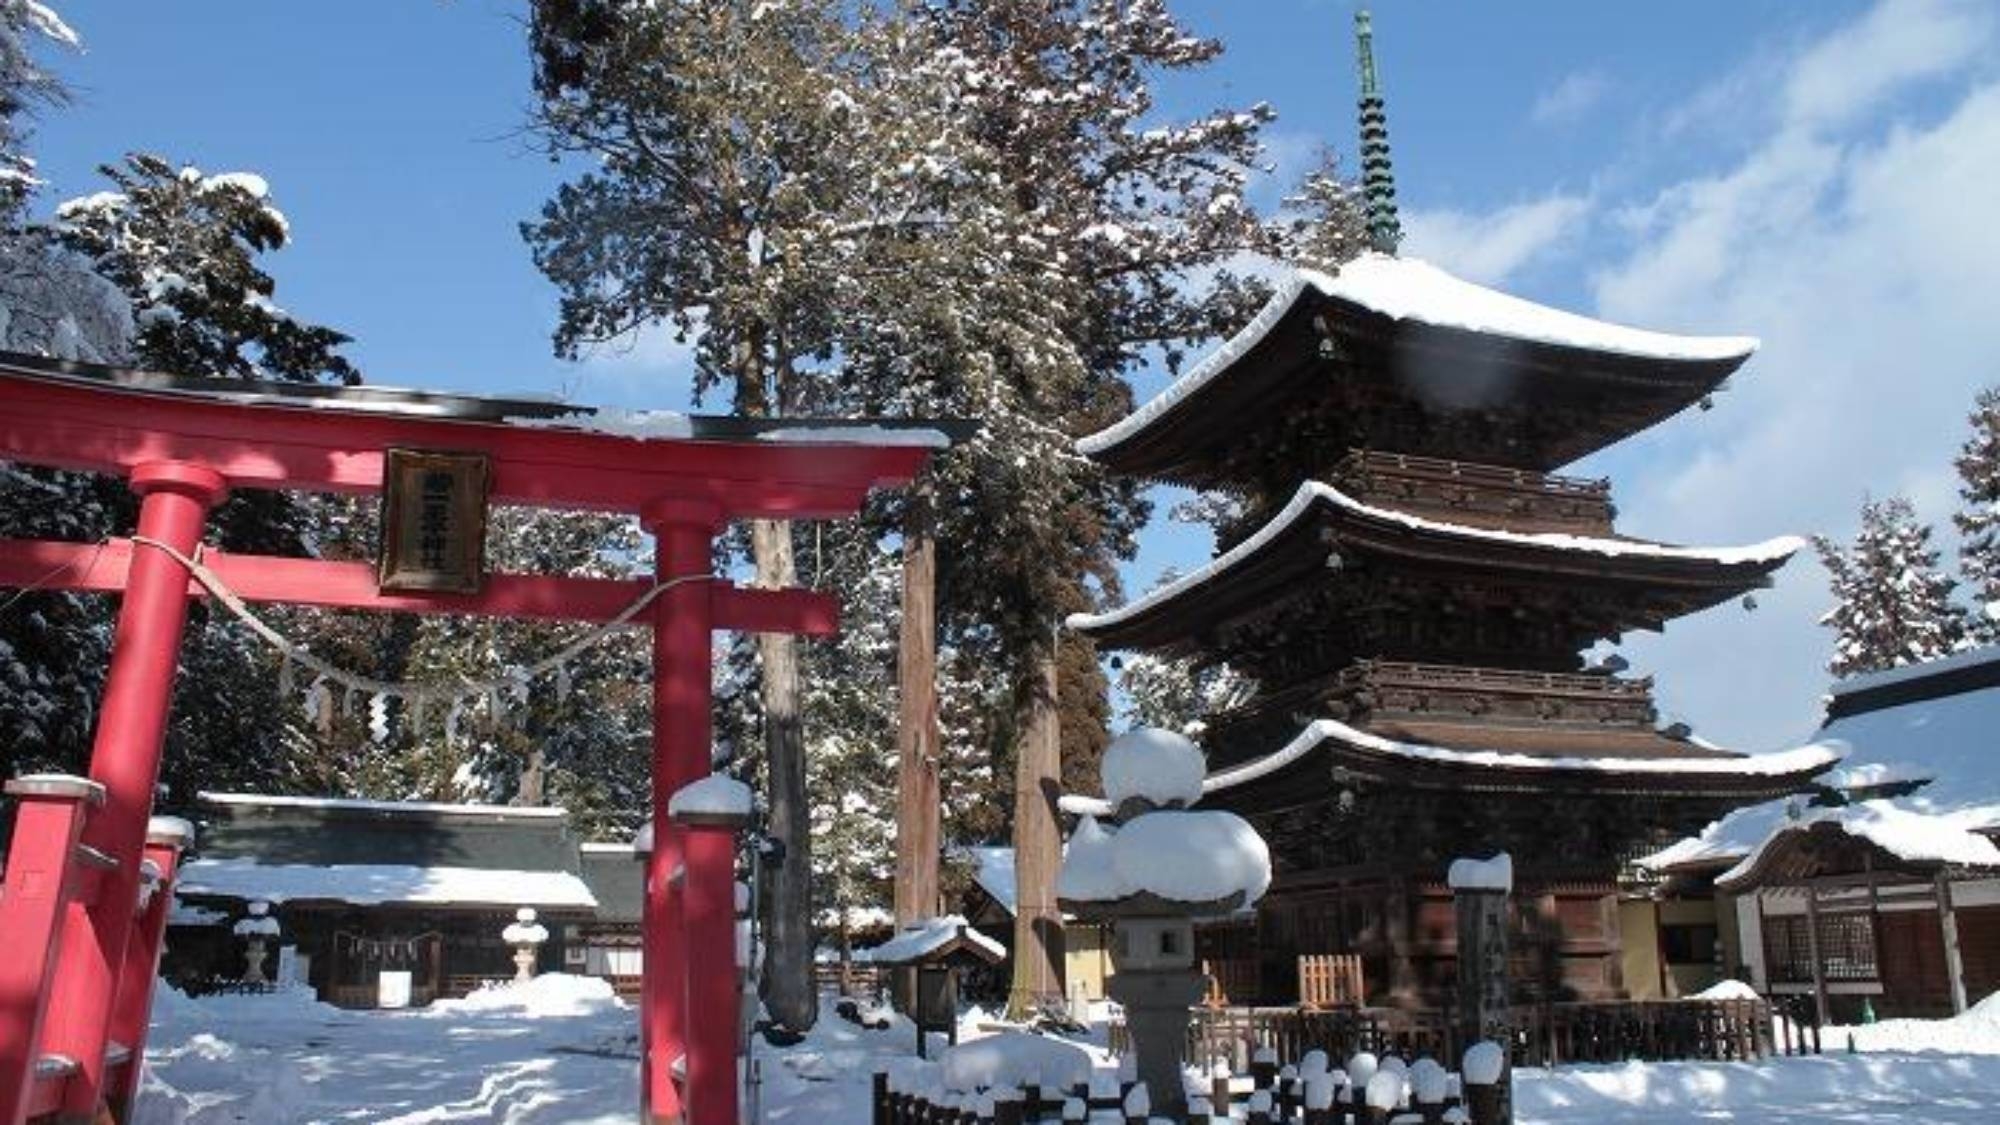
(562, 1050)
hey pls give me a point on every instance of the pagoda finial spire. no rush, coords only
(1378, 177)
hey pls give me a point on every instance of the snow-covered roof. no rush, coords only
(510, 812)
(1934, 720)
(1803, 760)
(928, 935)
(1927, 839)
(376, 884)
(1313, 493)
(1407, 289)
(993, 870)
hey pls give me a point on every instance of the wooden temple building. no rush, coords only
(1412, 586)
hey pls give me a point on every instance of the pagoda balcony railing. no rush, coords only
(1383, 688)
(1478, 495)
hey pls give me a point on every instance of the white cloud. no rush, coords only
(1862, 253)
(1488, 247)
(1571, 98)
(1897, 43)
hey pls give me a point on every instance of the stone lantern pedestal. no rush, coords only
(1157, 980)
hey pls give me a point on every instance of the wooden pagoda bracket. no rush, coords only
(103, 568)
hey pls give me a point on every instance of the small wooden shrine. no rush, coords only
(1411, 587)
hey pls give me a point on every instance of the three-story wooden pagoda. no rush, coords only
(1412, 589)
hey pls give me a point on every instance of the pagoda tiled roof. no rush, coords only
(1292, 550)
(1449, 341)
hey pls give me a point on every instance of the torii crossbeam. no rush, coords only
(74, 1002)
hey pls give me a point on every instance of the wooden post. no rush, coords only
(1812, 951)
(1037, 843)
(1483, 1000)
(917, 717)
(1954, 963)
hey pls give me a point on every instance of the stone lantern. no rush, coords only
(1151, 877)
(526, 936)
(254, 930)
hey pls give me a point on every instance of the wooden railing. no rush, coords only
(1543, 1035)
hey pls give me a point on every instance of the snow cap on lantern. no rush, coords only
(1163, 849)
(1158, 767)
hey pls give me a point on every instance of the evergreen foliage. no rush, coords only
(1978, 518)
(1892, 604)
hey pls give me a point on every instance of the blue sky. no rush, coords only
(1813, 173)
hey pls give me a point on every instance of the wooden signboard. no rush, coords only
(433, 522)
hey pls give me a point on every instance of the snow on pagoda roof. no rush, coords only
(1770, 551)
(1909, 835)
(1406, 289)
(376, 884)
(1797, 761)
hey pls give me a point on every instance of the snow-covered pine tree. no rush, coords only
(1325, 223)
(1978, 517)
(1892, 604)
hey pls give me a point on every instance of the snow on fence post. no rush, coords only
(1479, 890)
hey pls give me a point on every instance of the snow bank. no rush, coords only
(1160, 766)
(546, 996)
(1726, 990)
(1975, 1031)
(1014, 1059)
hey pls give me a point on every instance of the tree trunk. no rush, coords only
(917, 721)
(787, 985)
(1037, 845)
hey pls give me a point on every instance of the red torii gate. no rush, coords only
(76, 984)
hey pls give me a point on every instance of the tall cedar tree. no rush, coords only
(1892, 605)
(1130, 209)
(1978, 517)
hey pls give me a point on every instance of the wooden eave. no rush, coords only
(1293, 565)
(1321, 340)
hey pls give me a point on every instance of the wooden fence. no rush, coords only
(1265, 1093)
(1543, 1035)
(1330, 980)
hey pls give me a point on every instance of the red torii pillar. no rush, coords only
(684, 534)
